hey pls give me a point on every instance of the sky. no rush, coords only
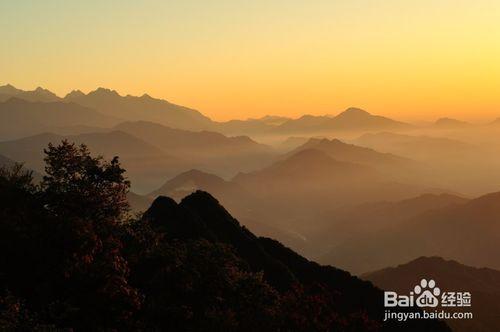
(412, 60)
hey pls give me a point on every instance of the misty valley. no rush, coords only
(276, 215)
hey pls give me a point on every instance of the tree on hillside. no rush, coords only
(60, 245)
(77, 183)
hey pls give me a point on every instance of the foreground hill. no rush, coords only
(253, 211)
(200, 216)
(467, 232)
(32, 118)
(185, 267)
(482, 283)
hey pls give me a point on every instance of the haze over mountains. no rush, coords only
(35, 117)
(158, 140)
(355, 190)
(145, 108)
(466, 232)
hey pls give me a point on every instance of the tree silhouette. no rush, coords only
(72, 258)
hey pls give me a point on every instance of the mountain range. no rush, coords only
(35, 117)
(146, 108)
(284, 198)
(464, 230)
(352, 119)
(112, 105)
(38, 95)
(210, 150)
(392, 166)
(199, 215)
(146, 164)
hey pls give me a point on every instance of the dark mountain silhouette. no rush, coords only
(352, 119)
(38, 117)
(200, 216)
(250, 209)
(482, 283)
(146, 108)
(37, 95)
(467, 232)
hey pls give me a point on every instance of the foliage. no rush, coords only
(71, 257)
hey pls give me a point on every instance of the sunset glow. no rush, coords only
(238, 59)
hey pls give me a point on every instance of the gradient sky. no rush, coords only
(236, 59)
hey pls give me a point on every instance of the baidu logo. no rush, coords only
(427, 294)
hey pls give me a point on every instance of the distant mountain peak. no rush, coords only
(354, 111)
(75, 94)
(104, 92)
(9, 89)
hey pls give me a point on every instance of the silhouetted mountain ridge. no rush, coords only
(145, 108)
(37, 117)
(199, 215)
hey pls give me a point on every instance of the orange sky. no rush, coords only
(411, 60)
